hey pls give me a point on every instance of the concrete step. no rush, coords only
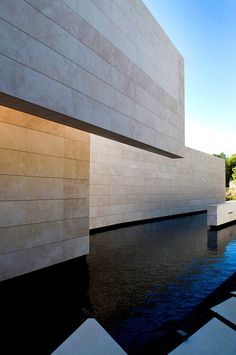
(214, 338)
(89, 339)
(227, 310)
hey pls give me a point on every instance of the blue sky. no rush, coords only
(204, 31)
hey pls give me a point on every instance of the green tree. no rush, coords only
(234, 173)
(230, 164)
(221, 155)
(228, 171)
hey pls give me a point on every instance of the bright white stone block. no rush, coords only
(221, 213)
(227, 310)
(89, 339)
(215, 338)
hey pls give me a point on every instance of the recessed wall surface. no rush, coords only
(129, 184)
(44, 190)
(105, 66)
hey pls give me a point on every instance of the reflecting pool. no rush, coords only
(146, 277)
(138, 282)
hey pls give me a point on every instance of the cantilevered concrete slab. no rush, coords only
(227, 310)
(215, 338)
(106, 67)
(222, 213)
(90, 339)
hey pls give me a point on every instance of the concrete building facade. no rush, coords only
(76, 74)
(44, 193)
(102, 66)
(129, 184)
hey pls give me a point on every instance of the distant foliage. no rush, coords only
(230, 194)
(234, 173)
(221, 155)
(230, 166)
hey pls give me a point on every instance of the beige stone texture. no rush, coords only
(30, 259)
(100, 66)
(44, 192)
(129, 184)
(221, 213)
(105, 67)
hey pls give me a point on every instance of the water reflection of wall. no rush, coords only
(156, 251)
(146, 278)
(217, 239)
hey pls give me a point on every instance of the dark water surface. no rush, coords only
(138, 282)
(145, 278)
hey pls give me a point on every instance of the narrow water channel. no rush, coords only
(145, 278)
(137, 281)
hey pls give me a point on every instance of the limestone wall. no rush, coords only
(44, 189)
(104, 66)
(129, 184)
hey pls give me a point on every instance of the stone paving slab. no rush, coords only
(89, 339)
(214, 338)
(227, 310)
